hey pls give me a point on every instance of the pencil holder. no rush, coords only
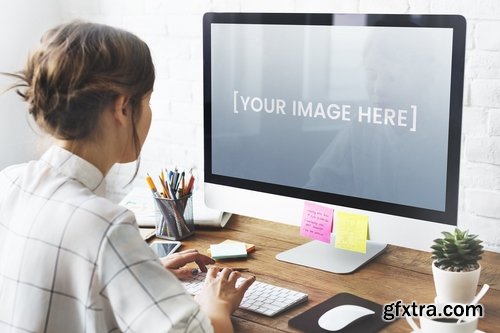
(176, 220)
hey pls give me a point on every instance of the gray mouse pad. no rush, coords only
(308, 320)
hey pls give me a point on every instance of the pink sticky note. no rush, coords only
(317, 222)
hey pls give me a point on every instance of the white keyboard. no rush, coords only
(263, 298)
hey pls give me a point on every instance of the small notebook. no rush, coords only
(228, 250)
(308, 320)
(249, 247)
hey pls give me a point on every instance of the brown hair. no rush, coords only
(77, 71)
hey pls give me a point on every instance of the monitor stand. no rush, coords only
(326, 257)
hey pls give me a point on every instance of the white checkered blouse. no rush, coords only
(72, 261)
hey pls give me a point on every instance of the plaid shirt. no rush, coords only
(72, 261)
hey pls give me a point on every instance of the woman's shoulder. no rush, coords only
(106, 210)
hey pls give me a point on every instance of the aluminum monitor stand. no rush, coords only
(326, 257)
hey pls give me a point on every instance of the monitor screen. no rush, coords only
(357, 110)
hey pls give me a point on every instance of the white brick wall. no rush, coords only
(173, 30)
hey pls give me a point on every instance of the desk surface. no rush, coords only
(399, 273)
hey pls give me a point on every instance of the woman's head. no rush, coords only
(78, 71)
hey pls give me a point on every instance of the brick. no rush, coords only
(144, 25)
(175, 90)
(485, 37)
(160, 105)
(225, 5)
(484, 9)
(112, 20)
(267, 6)
(164, 49)
(485, 92)
(197, 91)
(483, 64)
(196, 49)
(177, 7)
(188, 25)
(419, 6)
(486, 228)
(383, 6)
(121, 7)
(188, 113)
(466, 98)
(494, 122)
(78, 7)
(480, 176)
(469, 37)
(483, 150)
(483, 203)
(474, 121)
(326, 6)
(447, 6)
(186, 70)
(178, 48)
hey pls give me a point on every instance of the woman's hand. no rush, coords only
(220, 297)
(176, 263)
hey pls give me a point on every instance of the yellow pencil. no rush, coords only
(152, 186)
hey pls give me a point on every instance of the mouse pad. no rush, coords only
(308, 320)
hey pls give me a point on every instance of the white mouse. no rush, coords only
(341, 316)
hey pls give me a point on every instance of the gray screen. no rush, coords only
(351, 110)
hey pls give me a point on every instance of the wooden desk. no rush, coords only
(398, 273)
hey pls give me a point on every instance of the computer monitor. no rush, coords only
(358, 112)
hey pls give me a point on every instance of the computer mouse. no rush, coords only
(340, 316)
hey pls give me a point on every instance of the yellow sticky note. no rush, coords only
(351, 231)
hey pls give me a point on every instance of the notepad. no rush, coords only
(249, 247)
(228, 250)
(316, 222)
(351, 231)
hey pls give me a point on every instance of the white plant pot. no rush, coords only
(455, 287)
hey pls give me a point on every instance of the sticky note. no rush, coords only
(249, 247)
(228, 250)
(317, 222)
(351, 231)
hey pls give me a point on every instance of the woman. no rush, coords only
(70, 260)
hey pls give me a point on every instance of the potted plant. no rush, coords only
(456, 267)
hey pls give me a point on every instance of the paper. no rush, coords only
(147, 233)
(228, 250)
(351, 232)
(317, 222)
(140, 201)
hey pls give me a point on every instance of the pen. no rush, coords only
(196, 271)
(180, 182)
(175, 177)
(235, 269)
(190, 184)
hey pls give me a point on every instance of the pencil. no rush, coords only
(152, 186)
(167, 195)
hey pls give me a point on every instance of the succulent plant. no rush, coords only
(457, 252)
